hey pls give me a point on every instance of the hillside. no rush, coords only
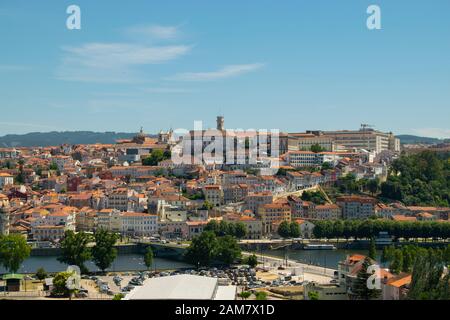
(411, 139)
(58, 138)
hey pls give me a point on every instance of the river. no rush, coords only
(123, 262)
(322, 258)
(134, 262)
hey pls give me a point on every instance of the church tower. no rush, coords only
(220, 123)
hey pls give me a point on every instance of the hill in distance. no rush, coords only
(44, 139)
(55, 138)
(411, 139)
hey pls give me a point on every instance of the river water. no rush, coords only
(123, 262)
(322, 258)
(134, 262)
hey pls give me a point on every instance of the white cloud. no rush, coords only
(433, 132)
(156, 31)
(225, 72)
(113, 62)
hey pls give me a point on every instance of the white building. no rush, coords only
(182, 287)
(6, 179)
(139, 224)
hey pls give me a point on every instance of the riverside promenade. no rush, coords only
(301, 271)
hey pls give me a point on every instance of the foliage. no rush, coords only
(284, 229)
(360, 288)
(60, 284)
(313, 295)
(74, 249)
(252, 261)
(148, 257)
(245, 295)
(223, 228)
(294, 229)
(261, 295)
(104, 253)
(155, 157)
(315, 196)
(316, 148)
(228, 250)
(41, 274)
(419, 179)
(118, 296)
(371, 228)
(428, 280)
(13, 251)
(372, 249)
(289, 229)
(207, 248)
(202, 249)
(207, 205)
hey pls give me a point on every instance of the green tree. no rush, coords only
(240, 230)
(41, 274)
(202, 249)
(74, 249)
(104, 253)
(207, 205)
(228, 250)
(148, 257)
(373, 185)
(155, 157)
(261, 295)
(252, 261)
(313, 295)
(316, 148)
(397, 262)
(284, 229)
(360, 288)
(244, 295)
(372, 249)
(13, 251)
(294, 229)
(60, 287)
(118, 296)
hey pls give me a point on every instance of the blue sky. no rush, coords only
(291, 65)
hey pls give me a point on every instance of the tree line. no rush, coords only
(358, 229)
(429, 280)
(419, 179)
(208, 248)
(224, 228)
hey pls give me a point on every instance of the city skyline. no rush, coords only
(301, 66)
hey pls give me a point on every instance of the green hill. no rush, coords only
(57, 138)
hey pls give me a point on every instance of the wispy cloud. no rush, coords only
(225, 72)
(433, 132)
(156, 31)
(113, 62)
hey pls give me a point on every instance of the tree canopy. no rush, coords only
(208, 248)
(104, 253)
(419, 179)
(13, 251)
(74, 249)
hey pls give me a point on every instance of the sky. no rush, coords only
(292, 65)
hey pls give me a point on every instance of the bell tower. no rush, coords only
(220, 123)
